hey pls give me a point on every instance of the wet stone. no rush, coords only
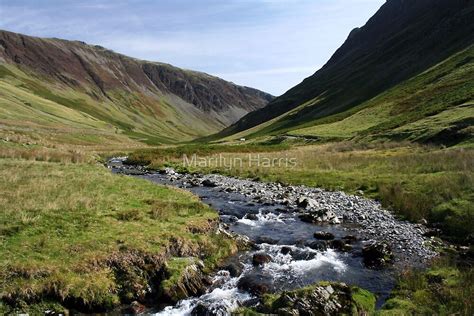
(259, 259)
(321, 235)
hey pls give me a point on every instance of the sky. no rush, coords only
(271, 45)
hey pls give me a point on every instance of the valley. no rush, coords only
(138, 187)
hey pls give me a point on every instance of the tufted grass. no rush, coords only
(62, 223)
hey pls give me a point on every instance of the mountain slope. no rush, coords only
(146, 101)
(402, 40)
(436, 106)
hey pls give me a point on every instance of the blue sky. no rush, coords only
(267, 44)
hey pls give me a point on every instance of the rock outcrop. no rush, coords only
(320, 299)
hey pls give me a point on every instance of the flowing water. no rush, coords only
(272, 229)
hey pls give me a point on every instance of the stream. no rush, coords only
(268, 216)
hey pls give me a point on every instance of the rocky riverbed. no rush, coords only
(300, 235)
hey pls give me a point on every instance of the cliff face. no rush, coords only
(403, 39)
(107, 76)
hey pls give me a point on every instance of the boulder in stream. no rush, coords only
(320, 216)
(320, 245)
(208, 183)
(260, 259)
(234, 268)
(322, 235)
(340, 245)
(254, 285)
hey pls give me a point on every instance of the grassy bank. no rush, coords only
(446, 288)
(77, 236)
(414, 181)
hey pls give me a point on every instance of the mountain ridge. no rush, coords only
(153, 92)
(403, 39)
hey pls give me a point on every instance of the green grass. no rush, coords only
(444, 289)
(78, 236)
(414, 181)
(159, 157)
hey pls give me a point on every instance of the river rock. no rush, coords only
(208, 183)
(349, 239)
(285, 250)
(340, 245)
(320, 216)
(135, 308)
(377, 254)
(254, 285)
(307, 203)
(260, 259)
(251, 216)
(321, 235)
(202, 309)
(266, 240)
(234, 268)
(317, 245)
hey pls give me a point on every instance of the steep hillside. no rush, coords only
(436, 106)
(401, 41)
(55, 83)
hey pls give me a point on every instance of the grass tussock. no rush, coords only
(46, 154)
(444, 289)
(77, 235)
